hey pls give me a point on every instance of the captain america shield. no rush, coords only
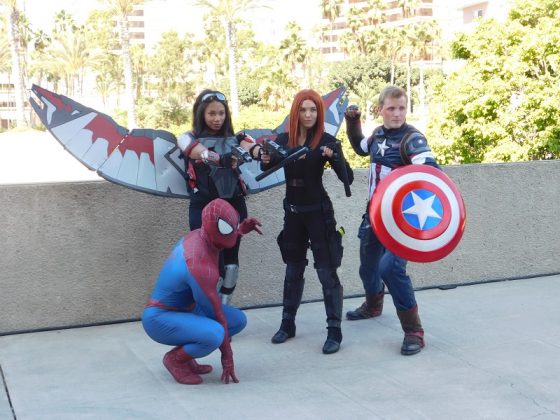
(418, 213)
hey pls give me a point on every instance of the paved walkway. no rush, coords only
(492, 353)
(30, 157)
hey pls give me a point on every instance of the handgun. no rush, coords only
(241, 154)
(272, 148)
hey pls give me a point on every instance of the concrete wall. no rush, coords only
(80, 253)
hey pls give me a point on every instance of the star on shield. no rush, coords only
(425, 205)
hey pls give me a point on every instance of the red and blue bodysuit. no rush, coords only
(184, 309)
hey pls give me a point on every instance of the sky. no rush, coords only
(41, 12)
(268, 24)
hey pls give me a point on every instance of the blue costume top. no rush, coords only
(389, 148)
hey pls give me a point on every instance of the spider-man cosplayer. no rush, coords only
(184, 309)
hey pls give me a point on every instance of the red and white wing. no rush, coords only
(142, 159)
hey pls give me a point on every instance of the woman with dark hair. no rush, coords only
(309, 216)
(213, 171)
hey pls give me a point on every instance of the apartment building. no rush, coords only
(393, 14)
(452, 16)
(154, 17)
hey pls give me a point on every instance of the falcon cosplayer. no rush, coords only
(148, 160)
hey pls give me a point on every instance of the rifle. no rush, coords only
(291, 155)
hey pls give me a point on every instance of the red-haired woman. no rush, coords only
(309, 217)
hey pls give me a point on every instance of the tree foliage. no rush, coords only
(503, 104)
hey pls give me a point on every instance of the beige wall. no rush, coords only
(80, 253)
(469, 12)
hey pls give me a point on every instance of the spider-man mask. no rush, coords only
(220, 222)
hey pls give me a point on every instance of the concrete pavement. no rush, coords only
(32, 156)
(492, 353)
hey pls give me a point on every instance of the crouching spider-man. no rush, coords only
(185, 310)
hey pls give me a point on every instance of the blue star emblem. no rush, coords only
(422, 209)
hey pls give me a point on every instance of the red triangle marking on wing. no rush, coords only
(329, 99)
(103, 128)
(55, 99)
(138, 145)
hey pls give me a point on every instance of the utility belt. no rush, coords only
(295, 182)
(302, 208)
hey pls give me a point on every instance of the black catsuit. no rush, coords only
(309, 219)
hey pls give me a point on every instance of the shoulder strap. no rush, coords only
(402, 148)
(376, 131)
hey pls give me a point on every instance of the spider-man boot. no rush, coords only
(183, 367)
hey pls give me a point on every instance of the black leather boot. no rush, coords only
(293, 291)
(332, 297)
(334, 338)
(287, 330)
(413, 332)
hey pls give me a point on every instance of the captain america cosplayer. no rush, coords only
(184, 309)
(392, 145)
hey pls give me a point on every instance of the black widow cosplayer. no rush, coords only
(309, 216)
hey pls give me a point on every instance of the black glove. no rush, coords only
(227, 160)
(241, 136)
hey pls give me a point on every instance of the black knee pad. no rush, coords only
(295, 270)
(328, 278)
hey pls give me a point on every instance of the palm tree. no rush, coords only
(276, 88)
(376, 11)
(208, 52)
(390, 45)
(408, 7)
(353, 41)
(64, 22)
(107, 63)
(108, 69)
(4, 55)
(69, 56)
(5, 58)
(228, 11)
(14, 40)
(294, 49)
(427, 33)
(410, 46)
(331, 10)
(122, 9)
